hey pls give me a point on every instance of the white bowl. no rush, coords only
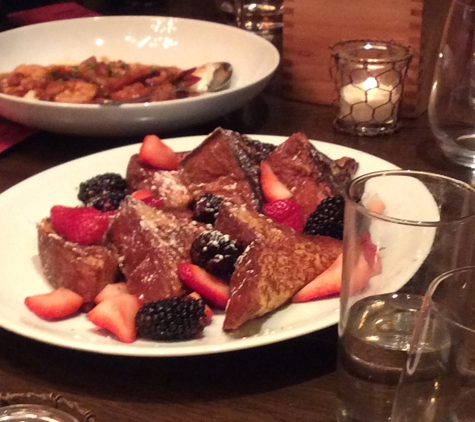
(146, 39)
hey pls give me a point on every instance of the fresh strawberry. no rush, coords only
(272, 187)
(141, 194)
(57, 304)
(325, 284)
(146, 196)
(111, 290)
(153, 201)
(212, 289)
(367, 263)
(208, 311)
(158, 154)
(83, 225)
(285, 211)
(376, 205)
(117, 315)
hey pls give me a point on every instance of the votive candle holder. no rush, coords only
(369, 77)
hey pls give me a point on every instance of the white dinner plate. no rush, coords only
(157, 40)
(25, 204)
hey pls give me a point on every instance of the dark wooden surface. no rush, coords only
(290, 381)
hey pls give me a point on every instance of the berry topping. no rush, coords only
(117, 315)
(208, 311)
(85, 226)
(108, 201)
(206, 208)
(147, 197)
(327, 219)
(111, 290)
(153, 201)
(178, 318)
(216, 253)
(104, 192)
(212, 289)
(326, 284)
(141, 194)
(158, 154)
(57, 304)
(285, 211)
(272, 187)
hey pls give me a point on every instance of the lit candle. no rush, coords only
(369, 101)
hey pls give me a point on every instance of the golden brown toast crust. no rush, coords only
(83, 269)
(214, 167)
(311, 176)
(150, 244)
(168, 185)
(277, 262)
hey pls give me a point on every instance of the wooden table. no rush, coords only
(290, 381)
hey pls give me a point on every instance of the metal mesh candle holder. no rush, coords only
(369, 77)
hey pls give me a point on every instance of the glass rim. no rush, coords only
(432, 306)
(416, 223)
(37, 411)
(339, 52)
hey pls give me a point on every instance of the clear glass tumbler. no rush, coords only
(452, 99)
(401, 230)
(263, 17)
(438, 381)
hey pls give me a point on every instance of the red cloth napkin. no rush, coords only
(50, 13)
(12, 133)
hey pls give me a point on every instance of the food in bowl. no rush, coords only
(96, 81)
(166, 41)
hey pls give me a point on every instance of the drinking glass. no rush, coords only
(401, 230)
(452, 98)
(438, 380)
(263, 17)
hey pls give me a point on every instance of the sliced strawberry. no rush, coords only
(208, 311)
(158, 154)
(376, 205)
(117, 315)
(83, 225)
(112, 290)
(57, 304)
(141, 194)
(153, 201)
(371, 255)
(285, 211)
(272, 187)
(368, 264)
(146, 196)
(327, 283)
(212, 289)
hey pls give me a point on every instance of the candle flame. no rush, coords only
(370, 83)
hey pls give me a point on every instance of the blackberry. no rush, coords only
(104, 191)
(216, 253)
(108, 201)
(178, 318)
(206, 208)
(327, 219)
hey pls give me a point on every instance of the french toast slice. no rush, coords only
(277, 262)
(150, 244)
(166, 184)
(84, 269)
(310, 175)
(226, 164)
